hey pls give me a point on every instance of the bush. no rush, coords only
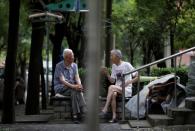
(82, 73)
(182, 72)
(104, 82)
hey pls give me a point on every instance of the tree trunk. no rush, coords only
(32, 102)
(8, 115)
(108, 31)
(22, 65)
(23, 69)
(158, 52)
(82, 48)
(73, 43)
(73, 35)
(132, 57)
(81, 56)
(43, 92)
(57, 49)
(147, 58)
(172, 45)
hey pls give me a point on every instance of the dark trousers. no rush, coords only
(77, 100)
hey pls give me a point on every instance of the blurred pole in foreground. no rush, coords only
(93, 63)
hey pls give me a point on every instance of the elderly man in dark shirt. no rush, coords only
(67, 82)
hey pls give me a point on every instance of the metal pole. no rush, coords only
(138, 86)
(123, 98)
(93, 63)
(147, 106)
(175, 79)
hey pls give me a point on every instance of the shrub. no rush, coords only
(182, 72)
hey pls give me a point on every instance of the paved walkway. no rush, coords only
(81, 127)
(56, 127)
(31, 123)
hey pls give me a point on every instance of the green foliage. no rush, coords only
(104, 82)
(185, 29)
(181, 72)
(24, 29)
(82, 73)
(3, 23)
(144, 25)
(24, 32)
(126, 26)
(175, 15)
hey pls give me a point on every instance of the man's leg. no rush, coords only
(113, 104)
(78, 105)
(111, 90)
(78, 102)
(83, 105)
(108, 99)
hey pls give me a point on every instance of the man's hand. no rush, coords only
(78, 87)
(105, 72)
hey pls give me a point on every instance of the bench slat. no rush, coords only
(57, 98)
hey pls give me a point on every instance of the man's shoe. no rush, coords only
(75, 119)
(113, 120)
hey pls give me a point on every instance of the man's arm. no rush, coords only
(135, 79)
(66, 83)
(77, 78)
(78, 81)
(105, 71)
(112, 80)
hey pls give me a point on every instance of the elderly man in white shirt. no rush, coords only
(118, 67)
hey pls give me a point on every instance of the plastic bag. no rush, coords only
(132, 104)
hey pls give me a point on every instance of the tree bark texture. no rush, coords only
(108, 31)
(32, 102)
(8, 115)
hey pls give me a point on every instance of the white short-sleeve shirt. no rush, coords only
(123, 68)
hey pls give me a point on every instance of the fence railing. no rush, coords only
(138, 85)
